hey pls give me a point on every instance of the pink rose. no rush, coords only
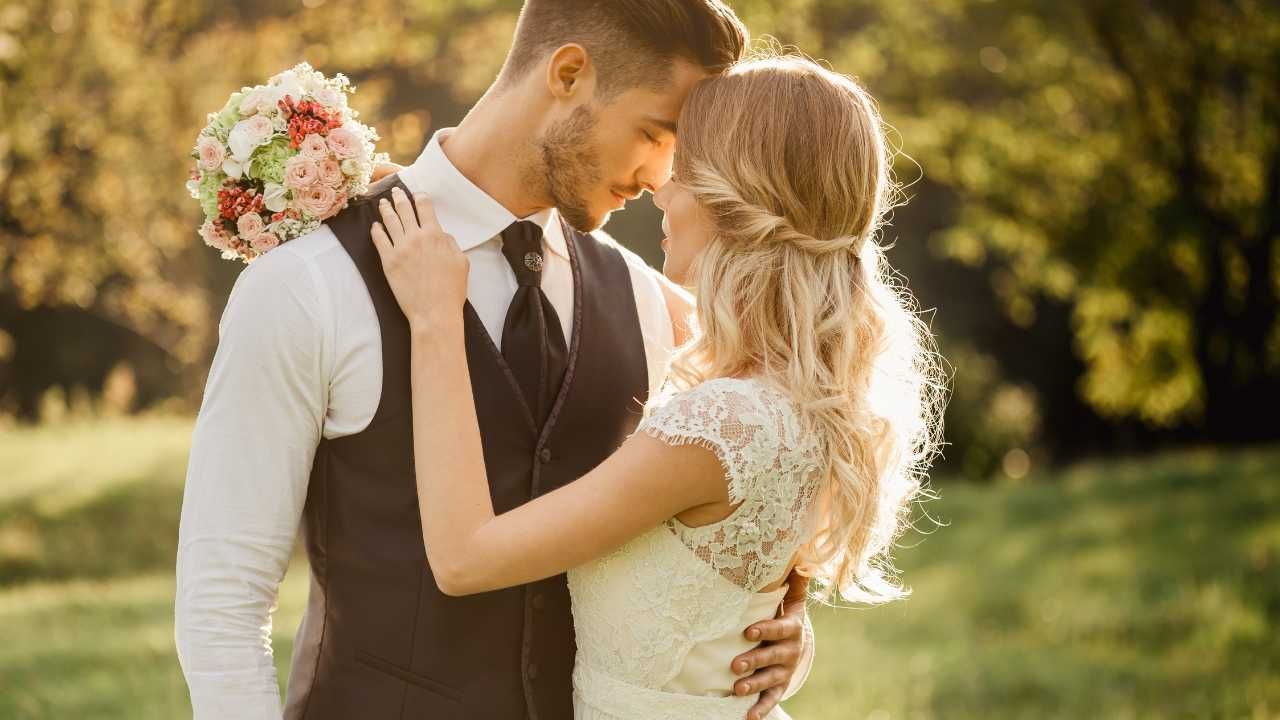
(211, 153)
(300, 173)
(250, 225)
(314, 148)
(317, 200)
(331, 173)
(265, 241)
(214, 236)
(344, 143)
(339, 203)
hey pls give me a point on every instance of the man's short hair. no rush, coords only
(631, 42)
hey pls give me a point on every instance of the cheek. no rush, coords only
(688, 222)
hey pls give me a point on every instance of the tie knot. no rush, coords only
(522, 246)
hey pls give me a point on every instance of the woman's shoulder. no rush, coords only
(732, 412)
(727, 395)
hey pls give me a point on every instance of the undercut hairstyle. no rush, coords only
(631, 42)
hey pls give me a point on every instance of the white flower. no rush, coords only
(193, 187)
(254, 101)
(285, 84)
(248, 135)
(273, 197)
(232, 168)
(313, 82)
(328, 97)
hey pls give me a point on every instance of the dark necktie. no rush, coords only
(532, 341)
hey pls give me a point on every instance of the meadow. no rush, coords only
(1139, 588)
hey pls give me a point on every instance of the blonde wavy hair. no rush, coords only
(790, 162)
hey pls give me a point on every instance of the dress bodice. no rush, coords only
(659, 620)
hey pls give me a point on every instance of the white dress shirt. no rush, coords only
(299, 359)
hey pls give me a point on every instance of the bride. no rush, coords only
(793, 433)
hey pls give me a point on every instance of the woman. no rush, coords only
(793, 433)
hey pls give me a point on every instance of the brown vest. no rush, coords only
(379, 640)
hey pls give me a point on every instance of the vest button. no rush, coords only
(545, 455)
(539, 601)
(532, 672)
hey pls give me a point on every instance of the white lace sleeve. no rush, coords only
(768, 463)
(718, 417)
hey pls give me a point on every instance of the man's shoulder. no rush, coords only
(312, 261)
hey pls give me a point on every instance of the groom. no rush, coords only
(306, 418)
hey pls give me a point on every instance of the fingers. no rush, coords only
(769, 699)
(427, 219)
(771, 677)
(391, 221)
(404, 208)
(380, 240)
(785, 653)
(787, 627)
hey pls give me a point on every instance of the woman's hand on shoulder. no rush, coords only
(426, 270)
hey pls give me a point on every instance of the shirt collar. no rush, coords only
(465, 211)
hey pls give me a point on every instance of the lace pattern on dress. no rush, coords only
(769, 463)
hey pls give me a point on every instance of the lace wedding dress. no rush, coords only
(659, 621)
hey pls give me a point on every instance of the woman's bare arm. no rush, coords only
(470, 549)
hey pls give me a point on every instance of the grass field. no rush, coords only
(1134, 589)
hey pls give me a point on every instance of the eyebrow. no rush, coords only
(664, 124)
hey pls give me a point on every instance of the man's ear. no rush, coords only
(570, 71)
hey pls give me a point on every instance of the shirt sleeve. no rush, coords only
(254, 442)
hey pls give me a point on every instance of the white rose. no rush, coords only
(284, 76)
(248, 135)
(254, 102)
(273, 197)
(286, 84)
(328, 97)
(232, 168)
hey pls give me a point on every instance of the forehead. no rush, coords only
(662, 102)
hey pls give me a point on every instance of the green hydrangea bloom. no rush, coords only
(269, 161)
(210, 184)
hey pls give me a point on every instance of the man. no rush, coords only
(306, 413)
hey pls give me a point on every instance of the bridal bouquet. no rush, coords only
(278, 160)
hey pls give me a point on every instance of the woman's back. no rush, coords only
(659, 621)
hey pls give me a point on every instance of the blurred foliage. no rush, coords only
(1122, 158)
(1096, 190)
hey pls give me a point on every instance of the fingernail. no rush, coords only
(742, 666)
(753, 634)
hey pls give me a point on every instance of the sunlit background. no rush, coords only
(1093, 234)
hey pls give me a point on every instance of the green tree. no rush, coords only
(99, 106)
(1123, 158)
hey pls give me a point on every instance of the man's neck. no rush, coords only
(491, 151)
